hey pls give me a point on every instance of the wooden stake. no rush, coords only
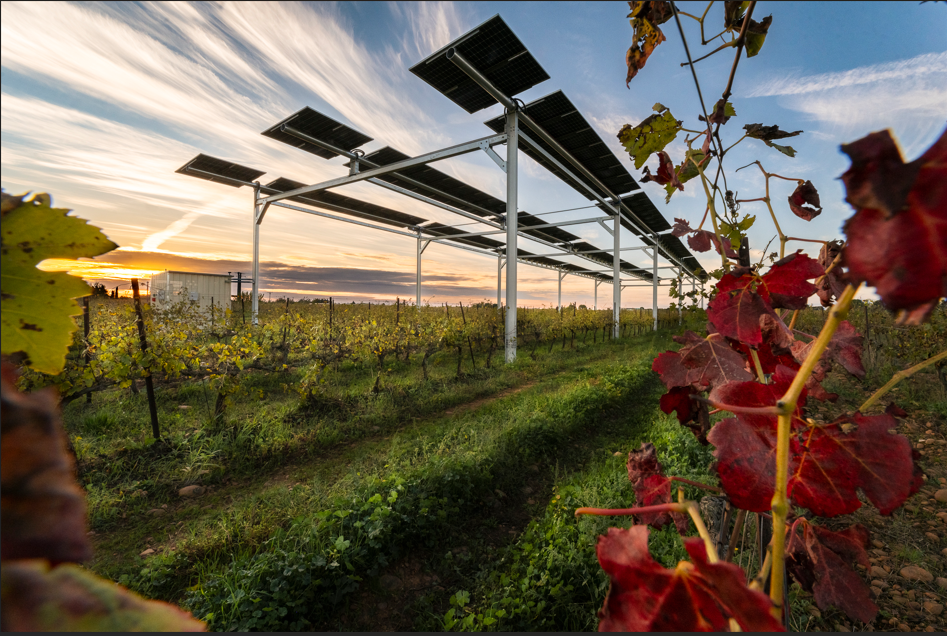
(143, 341)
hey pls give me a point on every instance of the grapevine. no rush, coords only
(771, 455)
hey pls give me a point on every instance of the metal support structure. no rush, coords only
(561, 276)
(255, 270)
(680, 299)
(418, 283)
(512, 229)
(616, 285)
(654, 295)
(597, 283)
(437, 155)
(500, 262)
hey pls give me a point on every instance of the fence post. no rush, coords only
(149, 384)
(85, 334)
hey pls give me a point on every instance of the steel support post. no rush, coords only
(499, 280)
(616, 269)
(418, 284)
(559, 300)
(654, 273)
(512, 231)
(680, 299)
(255, 269)
(595, 303)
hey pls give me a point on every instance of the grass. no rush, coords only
(285, 466)
(468, 482)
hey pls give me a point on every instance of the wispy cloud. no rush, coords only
(920, 66)
(909, 96)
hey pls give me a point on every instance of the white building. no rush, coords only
(169, 288)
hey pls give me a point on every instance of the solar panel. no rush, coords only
(564, 123)
(221, 171)
(321, 127)
(352, 207)
(439, 229)
(644, 209)
(436, 179)
(551, 234)
(494, 50)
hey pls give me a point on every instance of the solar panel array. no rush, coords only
(439, 229)
(496, 52)
(352, 207)
(436, 179)
(223, 171)
(644, 209)
(551, 234)
(318, 126)
(556, 114)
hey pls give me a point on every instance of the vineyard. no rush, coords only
(776, 461)
(346, 435)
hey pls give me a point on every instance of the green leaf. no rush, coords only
(756, 35)
(38, 305)
(686, 171)
(767, 134)
(68, 598)
(650, 136)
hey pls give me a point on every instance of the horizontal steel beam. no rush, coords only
(438, 155)
(338, 218)
(371, 164)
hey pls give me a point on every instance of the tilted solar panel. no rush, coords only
(644, 209)
(350, 206)
(551, 234)
(564, 123)
(321, 127)
(219, 171)
(439, 229)
(436, 179)
(494, 50)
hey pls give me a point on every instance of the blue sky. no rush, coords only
(102, 102)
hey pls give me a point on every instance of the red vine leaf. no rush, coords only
(711, 362)
(736, 309)
(665, 175)
(695, 596)
(845, 347)
(834, 282)
(690, 413)
(43, 508)
(855, 451)
(897, 239)
(652, 488)
(828, 462)
(682, 227)
(786, 286)
(804, 201)
(671, 369)
(819, 561)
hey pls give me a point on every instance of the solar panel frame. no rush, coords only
(559, 117)
(434, 178)
(551, 234)
(494, 50)
(227, 172)
(484, 242)
(318, 126)
(353, 207)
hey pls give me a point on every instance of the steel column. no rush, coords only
(616, 286)
(680, 299)
(512, 231)
(654, 296)
(255, 269)
(418, 284)
(499, 279)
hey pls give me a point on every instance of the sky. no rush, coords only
(102, 102)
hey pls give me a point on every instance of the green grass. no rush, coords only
(397, 440)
